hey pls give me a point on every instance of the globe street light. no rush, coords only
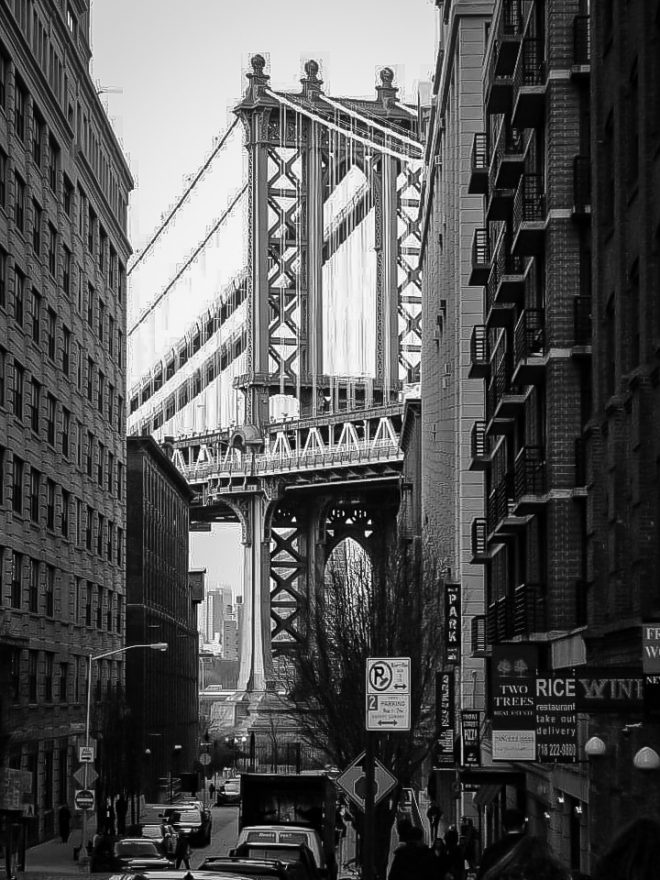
(154, 646)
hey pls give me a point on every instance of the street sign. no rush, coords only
(84, 799)
(353, 781)
(91, 778)
(204, 759)
(388, 693)
(86, 754)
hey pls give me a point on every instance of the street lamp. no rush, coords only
(154, 646)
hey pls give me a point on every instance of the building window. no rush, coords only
(66, 270)
(111, 334)
(90, 453)
(48, 696)
(33, 662)
(120, 348)
(64, 695)
(88, 528)
(99, 535)
(120, 479)
(101, 392)
(35, 314)
(110, 471)
(19, 296)
(101, 457)
(109, 610)
(19, 201)
(35, 405)
(66, 350)
(4, 79)
(3, 363)
(16, 579)
(81, 290)
(111, 403)
(66, 501)
(20, 105)
(90, 305)
(33, 595)
(19, 378)
(50, 590)
(108, 546)
(120, 414)
(51, 411)
(101, 319)
(15, 675)
(37, 215)
(52, 249)
(88, 604)
(17, 485)
(51, 333)
(99, 608)
(3, 277)
(120, 545)
(53, 162)
(112, 268)
(50, 504)
(79, 366)
(103, 238)
(118, 621)
(79, 515)
(66, 428)
(68, 196)
(3, 178)
(91, 230)
(37, 136)
(35, 494)
(90, 379)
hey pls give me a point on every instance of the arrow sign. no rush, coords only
(353, 781)
(388, 693)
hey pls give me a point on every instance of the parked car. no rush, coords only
(229, 792)
(265, 869)
(180, 874)
(284, 852)
(162, 834)
(296, 834)
(194, 822)
(130, 853)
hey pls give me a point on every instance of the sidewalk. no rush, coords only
(53, 860)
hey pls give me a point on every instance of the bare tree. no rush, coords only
(388, 609)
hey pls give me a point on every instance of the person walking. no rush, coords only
(121, 808)
(182, 852)
(514, 826)
(413, 860)
(64, 821)
(451, 859)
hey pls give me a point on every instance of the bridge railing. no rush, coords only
(282, 462)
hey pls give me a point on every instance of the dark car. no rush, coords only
(266, 869)
(179, 874)
(291, 853)
(229, 792)
(131, 853)
(194, 822)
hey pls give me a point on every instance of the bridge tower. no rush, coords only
(321, 171)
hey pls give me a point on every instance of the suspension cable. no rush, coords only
(147, 311)
(154, 238)
(368, 142)
(371, 122)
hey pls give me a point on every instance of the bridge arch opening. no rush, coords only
(349, 566)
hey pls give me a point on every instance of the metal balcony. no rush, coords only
(504, 401)
(499, 620)
(582, 187)
(530, 480)
(529, 215)
(479, 447)
(499, 204)
(478, 184)
(479, 540)
(529, 82)
(480, 257)
(529, 348)
(580, 463)
(582, 324)
(479, 354)
(581, 46)
(530, 614)
(508, 159)
(504, 520)
(508, 33)
(497, 315)
(508, 274)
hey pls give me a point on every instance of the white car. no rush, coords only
(298, 834)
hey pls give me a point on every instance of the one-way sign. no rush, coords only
(353, 781)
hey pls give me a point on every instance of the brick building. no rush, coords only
(531, 258)
(452, 399)
(64, 187)
(623, 514)
(161, 689)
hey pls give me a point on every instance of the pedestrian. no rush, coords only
(451, 857)
(64, 819)
(514, 826)
(413, 860)
(109, 818)
(528, 859)
(433, 815)
(182, 852)
(634, 854)
(121, 808)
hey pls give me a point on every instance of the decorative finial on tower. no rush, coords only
(386, 91)
(310, 82)
(257, 78)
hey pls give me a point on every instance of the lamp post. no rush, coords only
(154, 646)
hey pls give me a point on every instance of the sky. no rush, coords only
(169, 75)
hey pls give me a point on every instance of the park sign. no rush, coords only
(453, 622)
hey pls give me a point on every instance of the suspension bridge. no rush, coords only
(282, 400)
